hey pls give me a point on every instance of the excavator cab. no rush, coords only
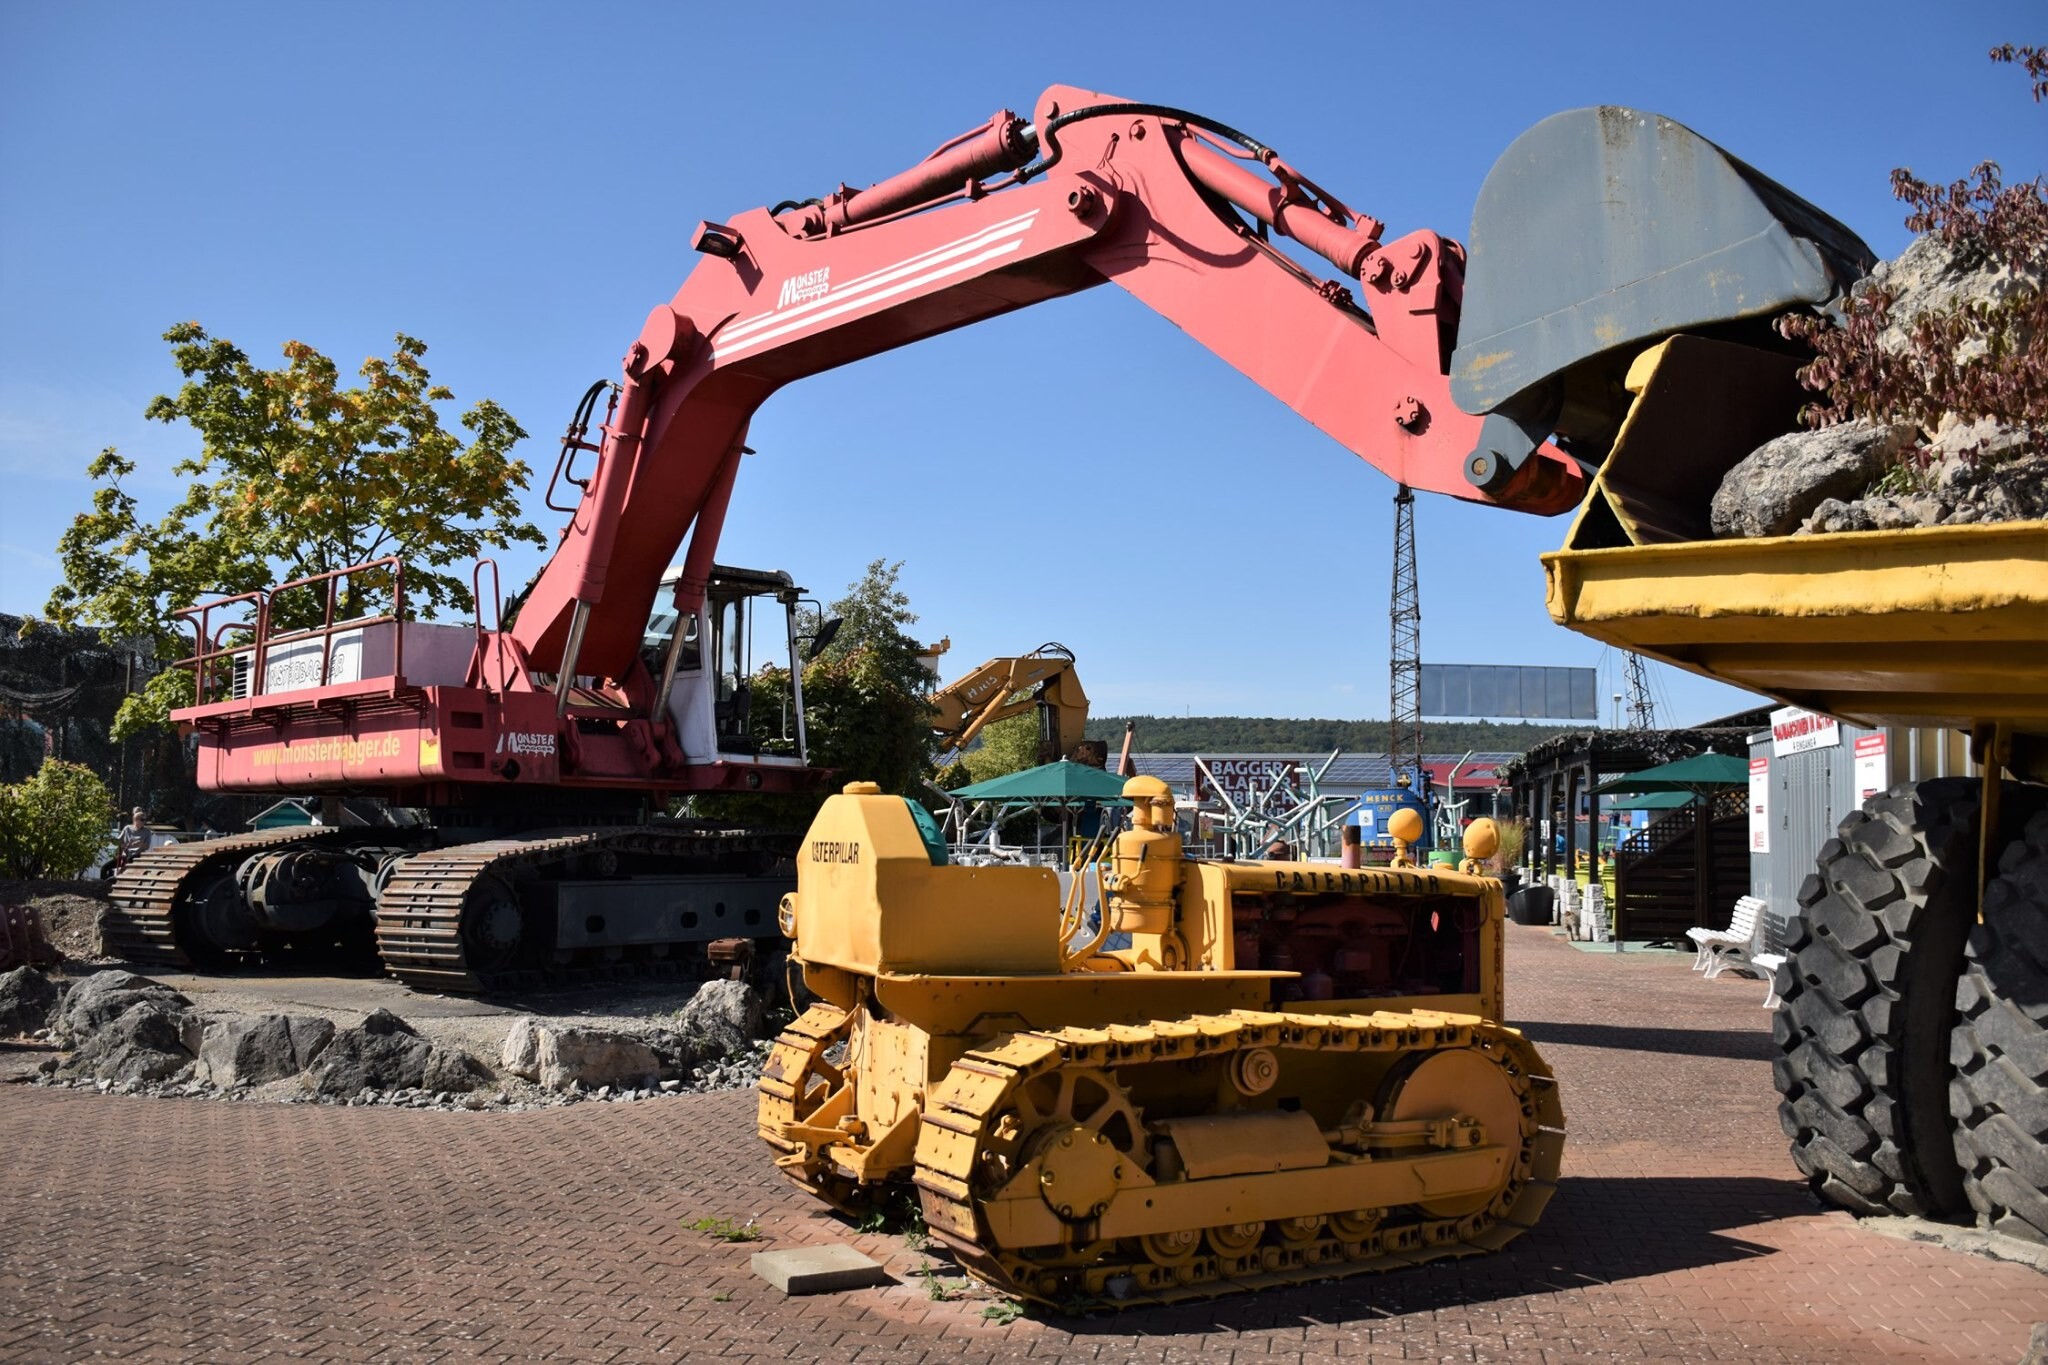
(710, 688)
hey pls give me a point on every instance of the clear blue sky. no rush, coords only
(516, 183)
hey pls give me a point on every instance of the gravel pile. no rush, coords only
(117, 1033)
(509, 1095)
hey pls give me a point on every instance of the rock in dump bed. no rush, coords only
(1821, 481)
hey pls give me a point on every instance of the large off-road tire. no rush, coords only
(1869, 995)
(1999, 1095)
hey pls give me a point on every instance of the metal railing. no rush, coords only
(219, 644)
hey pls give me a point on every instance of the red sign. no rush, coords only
(1794, 731)
(1873, 771)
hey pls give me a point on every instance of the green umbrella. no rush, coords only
(1655, 801)
(1700, 773)
(1062, 781)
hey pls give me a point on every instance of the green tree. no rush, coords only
(874, 616)
(1009, 745)
(55, 823)
(295, 475)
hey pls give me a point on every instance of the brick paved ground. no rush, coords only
(189, 1229)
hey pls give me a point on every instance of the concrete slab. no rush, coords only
(819, 1270)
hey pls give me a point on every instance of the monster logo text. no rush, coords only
(349, 753)
(812, 284)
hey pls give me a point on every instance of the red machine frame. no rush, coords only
(1135, 195)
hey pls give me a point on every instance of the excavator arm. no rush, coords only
(1599, 235)
(1010, 685)
(1179, 211)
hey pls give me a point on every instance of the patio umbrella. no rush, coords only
(1699, 774)
(1655, 801)
(1062, 781)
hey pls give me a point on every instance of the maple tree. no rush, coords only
(295, 475)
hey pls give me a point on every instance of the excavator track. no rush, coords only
(432, 906)
(140, 925)
(970, 1125)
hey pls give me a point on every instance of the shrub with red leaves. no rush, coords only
(1978, 359)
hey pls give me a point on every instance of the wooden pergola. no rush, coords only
(1551, 780)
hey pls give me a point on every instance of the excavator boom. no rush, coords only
(1179, 211)
(1187, 215)
(1010, 685)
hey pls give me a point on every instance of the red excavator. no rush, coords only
(537, 749)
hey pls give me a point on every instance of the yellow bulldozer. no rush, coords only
(1291, 1073)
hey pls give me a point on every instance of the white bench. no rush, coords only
(1768, 964)
(1719, 948)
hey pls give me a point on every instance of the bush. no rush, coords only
(1514, 837)
(1972, 360)
(55, 823)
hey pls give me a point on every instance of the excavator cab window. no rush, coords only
(660, 632)
(732, 647)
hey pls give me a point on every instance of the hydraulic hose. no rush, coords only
(1048, 136)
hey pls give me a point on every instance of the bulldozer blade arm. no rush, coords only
(1603, 229)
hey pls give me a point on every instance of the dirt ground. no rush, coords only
(69, 912)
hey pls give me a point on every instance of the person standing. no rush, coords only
(137, 838)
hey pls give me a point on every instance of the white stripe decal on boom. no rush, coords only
(973, 241)
(724, 352)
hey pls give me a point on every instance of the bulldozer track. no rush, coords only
(419, 916)
(140, 926)
(960, 1120)
(797, 1060)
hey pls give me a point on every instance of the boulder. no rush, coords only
(1985, 443)
(386, 1053)
(1974, 472)
(1780, 484)
(677, 1051)
(27, 1000)
(252, 1051)
(453, 1071)
(724, 1017)
(149, 1041)
(1930, 276)
(594, 1058)
(521, 1053)
(123, 1027)
(105, 996)
(2013, 490)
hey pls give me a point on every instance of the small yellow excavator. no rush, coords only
(1007, 686)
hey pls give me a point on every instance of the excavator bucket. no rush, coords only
(1601, 231)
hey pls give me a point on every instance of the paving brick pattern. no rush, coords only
(161, 1229)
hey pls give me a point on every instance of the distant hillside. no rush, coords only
(1268, 735)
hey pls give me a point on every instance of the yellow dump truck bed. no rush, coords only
(1944, 625)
